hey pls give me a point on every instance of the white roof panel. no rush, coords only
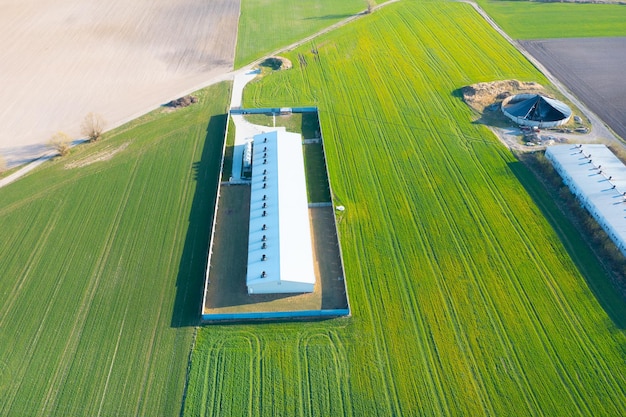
(280, 253)
(598, 178)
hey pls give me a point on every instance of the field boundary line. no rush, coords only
(27, 168)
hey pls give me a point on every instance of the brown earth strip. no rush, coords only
(593, 69)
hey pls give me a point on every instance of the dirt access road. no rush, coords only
(61, 59)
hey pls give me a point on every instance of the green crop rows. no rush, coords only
(464, 299)
(266, 25)
(102, 266)
(539, 20)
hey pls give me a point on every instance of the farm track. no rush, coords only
(444, 291)
(36, 337)
(160, 299)
(407, 177)
(244, 348)
(531, 254)
(117, 345)
(147, 378)
(310, 364)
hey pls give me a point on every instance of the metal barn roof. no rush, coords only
(280, 253)
(595, 175)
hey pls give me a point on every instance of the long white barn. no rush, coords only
(598, 179)
(280, 252)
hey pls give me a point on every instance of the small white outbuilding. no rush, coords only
(280, 251)
(598, 179)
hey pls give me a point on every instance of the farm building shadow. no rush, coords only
(458, 93)
(191, 270)
(578, 248)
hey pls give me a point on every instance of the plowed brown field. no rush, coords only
(60, 59)
(593, 69)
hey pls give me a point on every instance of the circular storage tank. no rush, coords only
(536, 110)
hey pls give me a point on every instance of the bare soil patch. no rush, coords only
(482, 95)
(60, 59)
(593, 69)
(103, 155)
(182, 102)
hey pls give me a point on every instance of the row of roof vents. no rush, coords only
(264, 206)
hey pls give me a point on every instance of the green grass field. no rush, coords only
(538, 20)
(102, 268)
(464, 299)
(307, 124)
(266, 25)
(316, 180)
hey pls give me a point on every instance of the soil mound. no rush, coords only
(182, 102)
(103, 155)
(481, 95)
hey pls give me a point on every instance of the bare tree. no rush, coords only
(93, 126)
(61, 142)
(370, 6)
